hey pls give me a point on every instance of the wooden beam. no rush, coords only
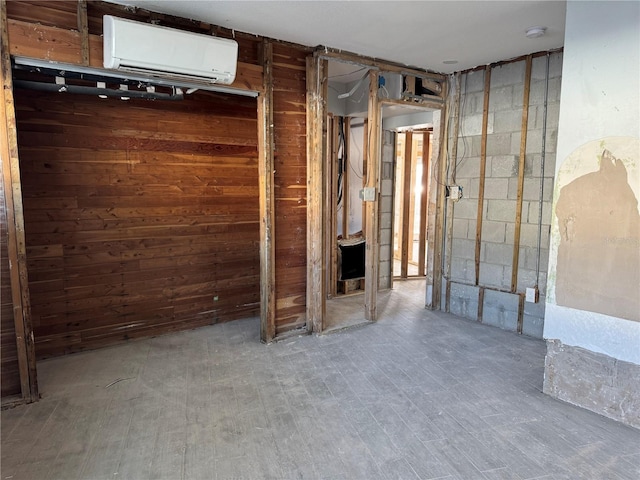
(365, 161)
(83, 29)
(406, 201)
(427, 102)
(372, 208)
(347, 57)
(55, 44)
(331, 206)
(483, 169)
(16, 244)
(436, 212)
(346, 201)
(451, 206)
(316, 81)
(426, 153)
(267, 202)
(521, 163)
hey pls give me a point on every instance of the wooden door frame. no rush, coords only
(317, 83)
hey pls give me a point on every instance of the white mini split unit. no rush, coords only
(168, 53)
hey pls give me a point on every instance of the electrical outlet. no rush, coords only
(531, 295)
(454, 192)
(368, 194)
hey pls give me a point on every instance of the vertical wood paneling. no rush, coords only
(141, 217)
(290, 159)
(8, 353)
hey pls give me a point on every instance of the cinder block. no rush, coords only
(385, 252)
(463, 301)
(500, 310)
(526, 279)
(473, 82)
(471, 233)
(501, 99)
(468, 167)
(472, 104)
(386, 204)
(472, 188)
(496, 188)
(531, 189)
(497, 253)
(503, 166)
(469, 146)
(493, 231)
(534, 141)
(512, 193)
(387, 170)
(532, 326)
(466, 208)
(386, 219)
(387, 187)
(499, 144)
(508, 74)
(462, 248)
(472, 124)
(536, 309)
(460, 227)
(529, 235)
(552, 141)
(462, 270)
(515, 143)
(501, 210)
(389, 137)
(507, 121)
(491, 275)
(538, 66)
(546, 213)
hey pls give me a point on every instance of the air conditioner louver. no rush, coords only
(168, 53)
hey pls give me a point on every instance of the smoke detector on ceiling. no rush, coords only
(535, 32)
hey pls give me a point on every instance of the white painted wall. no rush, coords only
(599, 100)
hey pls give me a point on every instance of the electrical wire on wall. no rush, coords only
(342, 158)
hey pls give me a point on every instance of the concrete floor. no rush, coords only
(417, 395)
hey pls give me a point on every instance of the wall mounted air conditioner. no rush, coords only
(168, 53)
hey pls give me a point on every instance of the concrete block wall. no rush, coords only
(385, 272)
(504, 124)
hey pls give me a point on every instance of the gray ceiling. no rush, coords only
(422, 34)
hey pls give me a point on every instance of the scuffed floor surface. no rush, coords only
(417, 395)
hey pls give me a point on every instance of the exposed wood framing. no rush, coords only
(62, 45)
(331, 206)
(483, 169)
(406, 201)
(316, 107)
(83, 29)
(267, 203)
(372, 208)
(521, 299)
(521, 164)
(426, 102)
(15, 222)
(436, 213)
(346, 204)
(480, 303)
(347, 57)
(452, 169)
(426, 147)
(365, 163)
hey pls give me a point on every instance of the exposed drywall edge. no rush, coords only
(611, 336)
(594, 381)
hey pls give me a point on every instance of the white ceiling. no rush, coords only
(422, 34)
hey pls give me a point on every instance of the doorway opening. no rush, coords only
(411, 191)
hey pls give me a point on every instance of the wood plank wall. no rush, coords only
(9, 370)
(54, 116)
(290, 158)
(141, 217)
